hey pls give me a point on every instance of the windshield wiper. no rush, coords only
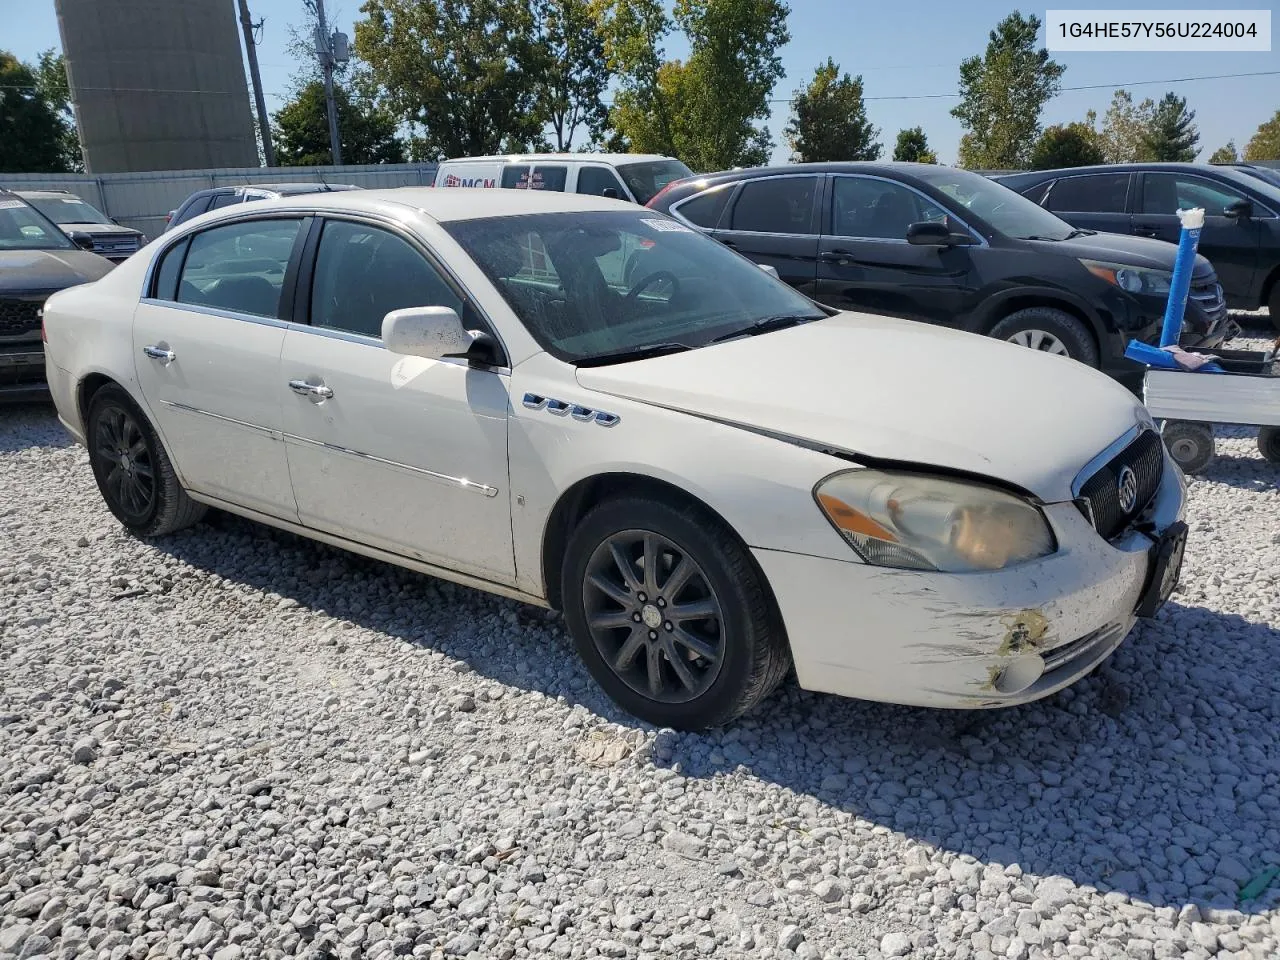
(765, 325)
(1046, 239)
(635, 353)
(1080, 233)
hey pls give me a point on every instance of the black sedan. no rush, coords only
(951, 247)
(1241, 234)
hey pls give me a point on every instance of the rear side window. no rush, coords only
(704, 209)
(239, 267)
(549, 178)
(595, 180)
(224, 200)
(1097, 193)
(166, 284)
(198, 206)
(776, 205)
(515, 176)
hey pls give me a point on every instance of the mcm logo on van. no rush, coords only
(453, 180)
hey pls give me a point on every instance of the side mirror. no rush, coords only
(82, 240)
(610, 192)
(431, 332)
(770, 269)
(1238, 210)
(931, 233)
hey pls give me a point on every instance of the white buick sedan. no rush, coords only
(587, 406)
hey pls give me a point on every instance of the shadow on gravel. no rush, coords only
(1243, 471)
(27, 425)
(1156, 776)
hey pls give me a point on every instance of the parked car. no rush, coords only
(87, 226)
(216, 198)
(949, 247)
(627, 176)
(710, 474)
(1241, 234)
(36, 259)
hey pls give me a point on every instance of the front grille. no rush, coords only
(19, 317)
(115, 245)
(1209, 297)
(1101, 493)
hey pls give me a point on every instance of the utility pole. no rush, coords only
(251, 48)
(325, 45)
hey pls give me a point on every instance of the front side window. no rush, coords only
(878, 209)
(22, 228)
(1096, 193)
(594, 181)
(623, 281)
(239, 266)
(68, 210)
(362, 273)
(775, 205)
(1167, 193)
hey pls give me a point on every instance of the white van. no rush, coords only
(629, 176)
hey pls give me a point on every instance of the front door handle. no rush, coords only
(316, 392)
(836, 256)
(160, 351)
(1146, 230)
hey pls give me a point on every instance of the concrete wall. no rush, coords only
(157, 84)
(141, 200)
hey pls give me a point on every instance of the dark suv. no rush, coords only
(947, 246)
(202, 201)
(1241, 235)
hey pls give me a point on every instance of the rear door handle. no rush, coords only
(160, 351)
(836, 256)
(313, 391)
(1146, 230)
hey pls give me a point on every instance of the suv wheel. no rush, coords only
(1049, 330)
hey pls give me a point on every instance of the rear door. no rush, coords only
(1230, 244)
(549, 176)
(773, 220)
(865, 262)
(1094, 201)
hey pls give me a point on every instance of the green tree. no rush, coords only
(31, 132)
(1125, 128)
(1173, 135)
(703, 110)
(1265, 143)
(465, 74)
(301, 134)
(1069, 145)
(1002, 93)
(576, 73)
(51, 84)
(1227, 154)
(829, 119)
(912, 146)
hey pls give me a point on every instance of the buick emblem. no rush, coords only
(1127, 489)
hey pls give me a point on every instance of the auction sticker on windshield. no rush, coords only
(665, 226)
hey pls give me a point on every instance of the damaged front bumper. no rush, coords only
(971, 640)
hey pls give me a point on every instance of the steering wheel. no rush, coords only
(644, 283)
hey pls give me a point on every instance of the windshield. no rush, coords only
(589, 285)
(67, 210)
(646, 179)
(22, 228)
(1004, 210)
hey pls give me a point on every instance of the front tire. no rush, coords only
(1269, 443)
(1049, 330)
(670, 614)
(1190, 444)
(132, 468)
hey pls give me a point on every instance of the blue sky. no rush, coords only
(902, 49)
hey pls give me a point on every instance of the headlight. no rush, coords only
(919, 522)
(1129, 278)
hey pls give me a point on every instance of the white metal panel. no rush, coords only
(1213, 397)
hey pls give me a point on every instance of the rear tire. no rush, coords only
(132, 468)
(670, 613)
(1190, 444)
(1269, 443)
(1049, 330)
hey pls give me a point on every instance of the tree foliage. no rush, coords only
(912, 146)
(367, 133)
(52, 85)
(1227, 154)
(704, 110)
(1265, 143)
(1124, 128)
(1172, 135)
(465, 74)
(32, 133)
(1002, 94)
(575, 73)
(1067, 145)
(829, 119)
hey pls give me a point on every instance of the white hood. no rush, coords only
(894, 389)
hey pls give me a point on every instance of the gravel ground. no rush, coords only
(235, 743)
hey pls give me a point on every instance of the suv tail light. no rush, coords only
(654, 198)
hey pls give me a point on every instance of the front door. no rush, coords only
(865, 262)
(1229, 243)
(402, 453)
(774, 222)
(206, 344)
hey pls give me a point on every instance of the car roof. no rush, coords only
(610, 158)
(45, 193)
